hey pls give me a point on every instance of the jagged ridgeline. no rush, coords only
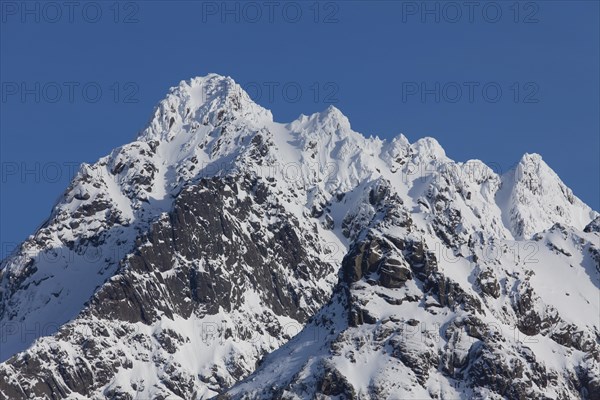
(225, 255)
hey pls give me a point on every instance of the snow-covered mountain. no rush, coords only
(183, 264)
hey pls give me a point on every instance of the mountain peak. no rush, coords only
(333, 112)
(532, 158)
(332, 116)
(206, 100)
(329, 121)
(535, 197)
(532, 162)
(429, 148)
(533, 172)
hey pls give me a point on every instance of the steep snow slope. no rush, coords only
(172, 266)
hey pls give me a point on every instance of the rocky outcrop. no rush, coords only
(593, 226)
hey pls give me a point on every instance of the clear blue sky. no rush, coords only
(377, 61)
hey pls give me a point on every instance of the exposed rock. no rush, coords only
(593, 226)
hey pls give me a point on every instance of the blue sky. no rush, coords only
(489, 82)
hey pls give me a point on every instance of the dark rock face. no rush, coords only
(377, 194)
(384, 259)
(333, 383)
(390, 262)
(488, 283)
(393, 274)
(198, 229)
(593, 226)
(492, 370)
(530, 320)
(199, 259)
